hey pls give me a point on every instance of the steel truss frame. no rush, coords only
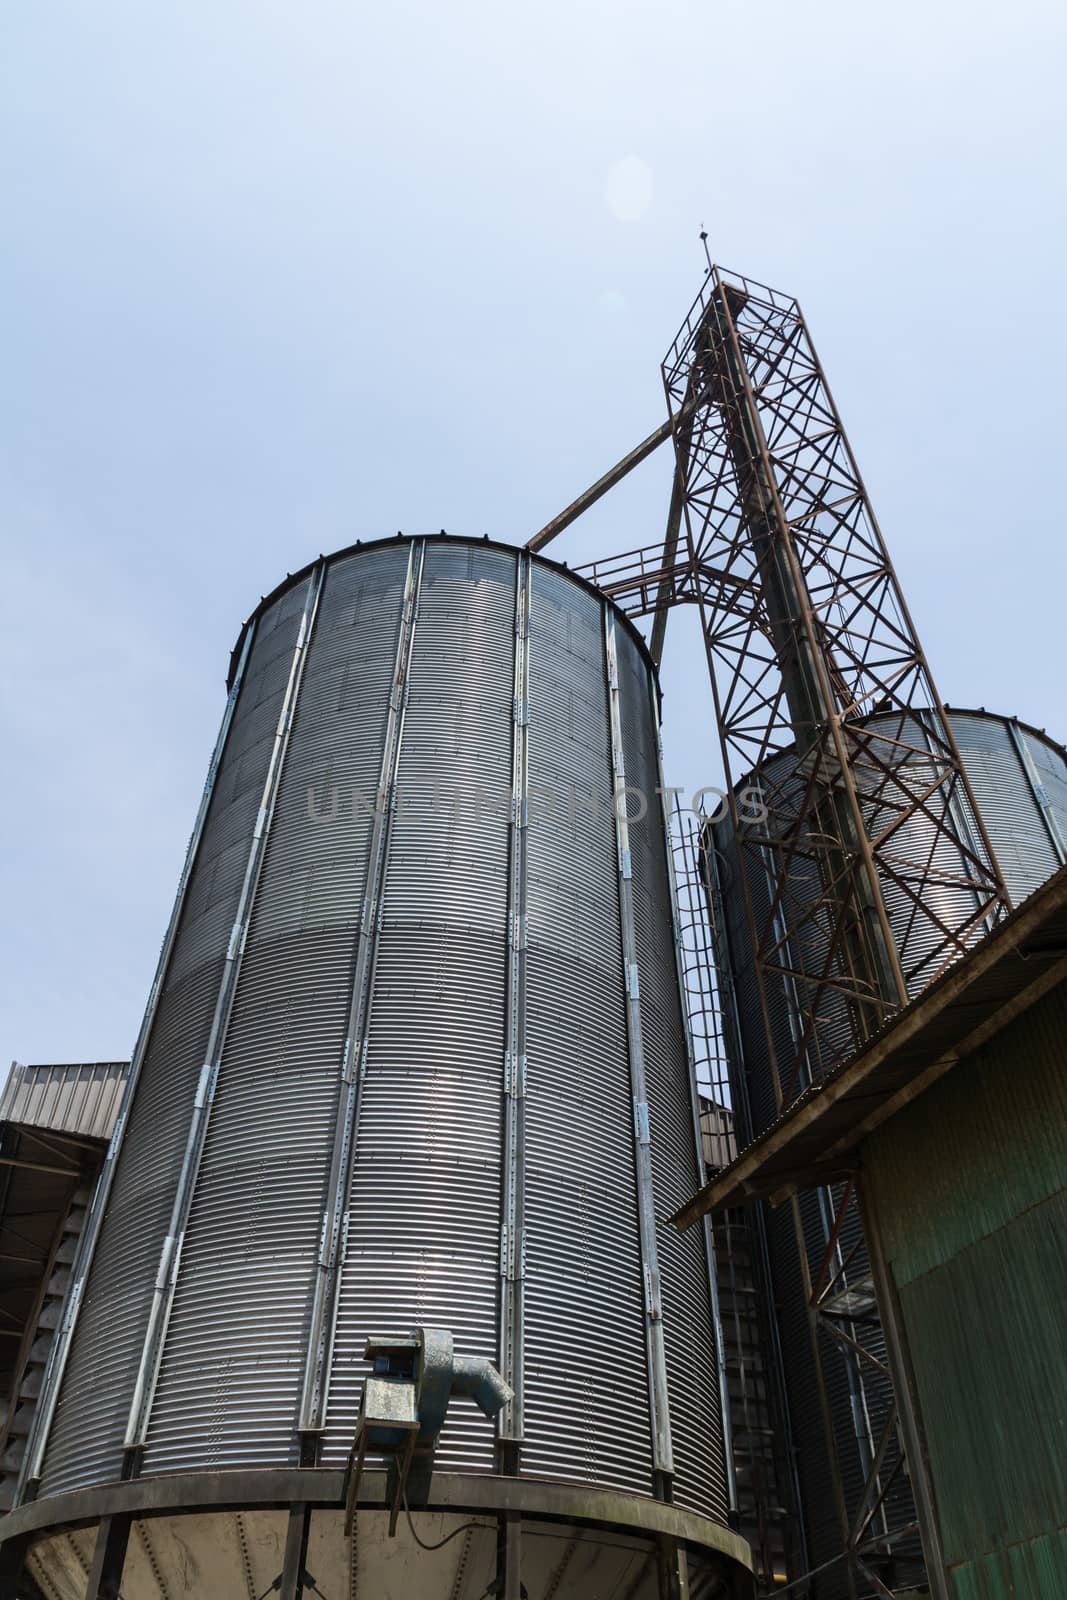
(858, 1309)
(844, 1306)
(751, 1380)
(878, 868)
(807, 635)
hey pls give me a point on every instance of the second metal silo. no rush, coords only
(1019, 780)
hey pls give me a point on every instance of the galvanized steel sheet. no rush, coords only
(427, 706)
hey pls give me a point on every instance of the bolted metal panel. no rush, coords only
(659, 1405)
(584, 1292)
(513, 1177)
(214, 889)
(423, 1235)
(332, 1235)
(86, 1440)
(1021, 801)
(420, 1106)
(234, 1355)
(59, 1352)
(199, 1122)
(1050, 775)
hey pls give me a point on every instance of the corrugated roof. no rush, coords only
(1024, 958)
(80, 1098)
(55, 1123)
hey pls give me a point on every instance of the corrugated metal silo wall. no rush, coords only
(1024, 826)
(1006, 762)
(581, 1185)
(234, 1358)
(423, 1209)
(423, 1233)
(87, 1437)
(683, 1258)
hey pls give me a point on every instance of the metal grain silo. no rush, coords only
(414, 1058)
(1019, 780)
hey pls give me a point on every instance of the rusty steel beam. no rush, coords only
(614, 475)
(597, 490)
(664, 599)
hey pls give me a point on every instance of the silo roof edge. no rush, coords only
(481, 541)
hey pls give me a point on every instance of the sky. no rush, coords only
(274, 277)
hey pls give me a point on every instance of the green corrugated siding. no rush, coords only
(1036, 1568)
(979, 1147)
(969, 1188)
(989, 1363)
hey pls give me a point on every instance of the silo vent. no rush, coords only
(404, 1405)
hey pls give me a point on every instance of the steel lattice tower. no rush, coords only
(878, 869)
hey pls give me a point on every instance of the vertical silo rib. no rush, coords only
(694, 1098)
(1037, 789)
(513, 1223)
(659, 1406)
(354, 1054)
(57, 1360)
(167, 1274)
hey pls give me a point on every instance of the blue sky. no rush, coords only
(279, 276)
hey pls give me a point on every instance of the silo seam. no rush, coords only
(659, 1404)
(353, 1061)
(1037, 789)
(513, 1222)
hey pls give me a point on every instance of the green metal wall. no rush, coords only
(968, 1185)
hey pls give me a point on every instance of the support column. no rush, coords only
(509, 1584)
(109, 1557)
(291, 1584)
(13, 1575)
(672, 1569)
